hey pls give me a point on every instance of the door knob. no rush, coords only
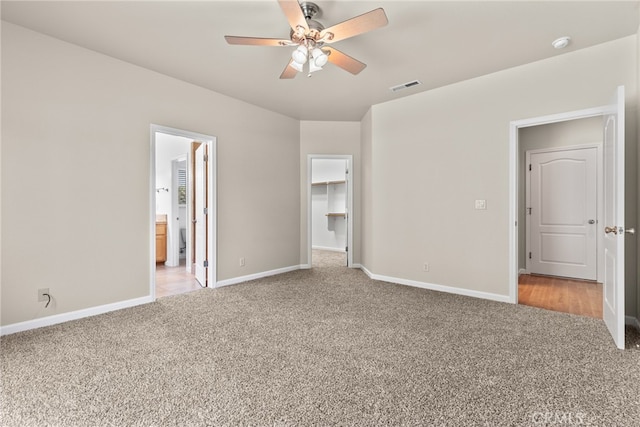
(630, 230)
(592, 221)
(613, 230)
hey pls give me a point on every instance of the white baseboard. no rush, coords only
(523, 271)
(436, 287)
(632, 321)
(241, 279)
(72, 315)
(326, 248)
(94, 311)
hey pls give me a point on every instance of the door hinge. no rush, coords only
(529, 167)
(346, 248)
(529, 209)
(205, 263)
(529, 255)
(205, 158)
(205, 211)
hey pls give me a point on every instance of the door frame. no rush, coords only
(349, 160)
(599, 192)
(211, 142)
(514, 174)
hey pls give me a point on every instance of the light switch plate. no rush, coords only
(481, 204)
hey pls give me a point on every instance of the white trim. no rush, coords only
(152, 220)
(523, 271)
(212, 218)
(562, 117)
(436, 287)
(242, 279)
(350, 178)
(514, 126)
(632, 321)
(72, 315)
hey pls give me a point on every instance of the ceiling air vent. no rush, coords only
(405, 85)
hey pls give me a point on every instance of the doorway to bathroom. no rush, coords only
(183, 211)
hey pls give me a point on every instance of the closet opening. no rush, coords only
(330, 223)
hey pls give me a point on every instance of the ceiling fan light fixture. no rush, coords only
(319, 57)
(307, 36)
(313, 67)
(300, 55)
(296, 66)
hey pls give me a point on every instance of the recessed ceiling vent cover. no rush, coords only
(405, 85)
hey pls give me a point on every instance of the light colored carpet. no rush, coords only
(320, 258)
(325, 346)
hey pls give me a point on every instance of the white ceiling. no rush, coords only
(437, 43)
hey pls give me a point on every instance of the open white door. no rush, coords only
(347, 178)
(200, 191)
(613, 227)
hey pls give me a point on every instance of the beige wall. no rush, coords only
(75, 131)
(330, 138)
(76, 176)
(434, 153)
(366, 176)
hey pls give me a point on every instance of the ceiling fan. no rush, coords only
(311, 38)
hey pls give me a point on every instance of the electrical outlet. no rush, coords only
(242, 262)
(41, 295)
(425, 266)
(481, 204)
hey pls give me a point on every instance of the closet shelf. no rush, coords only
(328, 182)
(336, 214)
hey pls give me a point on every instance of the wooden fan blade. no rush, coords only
(256, 41)
(358, 25)
(288, 72)
(293, 12)
(344, 61)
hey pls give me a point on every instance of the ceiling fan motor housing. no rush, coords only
(315, 28)
(309, 9)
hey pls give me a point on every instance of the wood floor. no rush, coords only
(559, 294)
(174, 280)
